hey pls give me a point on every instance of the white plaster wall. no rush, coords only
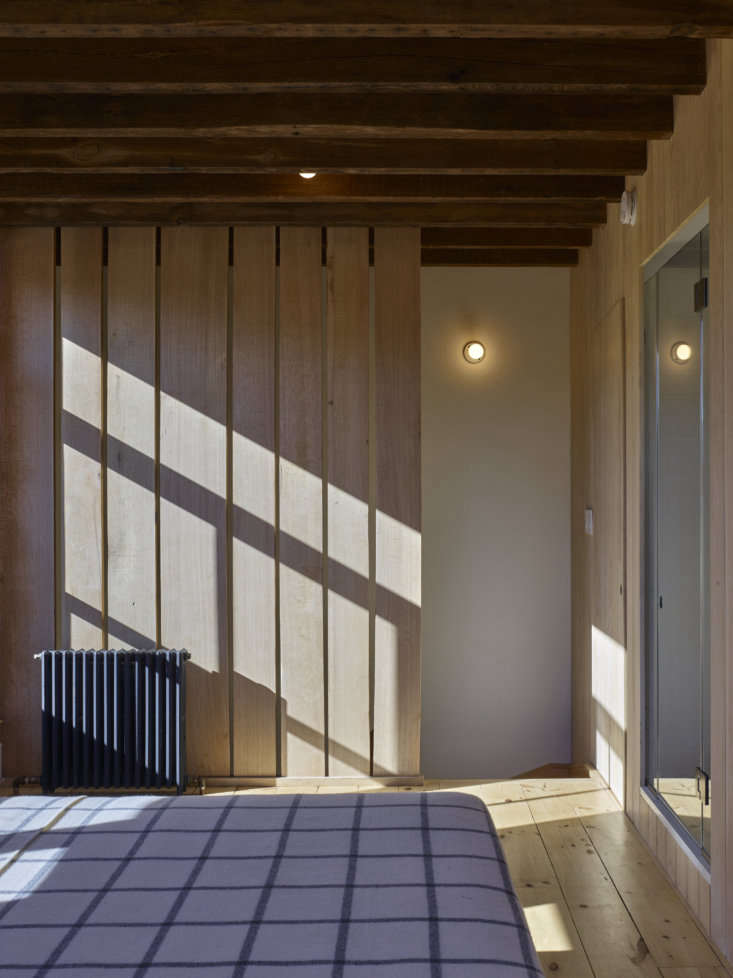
(496, 522)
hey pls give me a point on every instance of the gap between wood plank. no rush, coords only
(560, 886)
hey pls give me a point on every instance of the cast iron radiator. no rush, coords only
(113, 719)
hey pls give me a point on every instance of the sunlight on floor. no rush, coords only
(547, 928)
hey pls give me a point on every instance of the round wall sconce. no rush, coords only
(474, 352)
(681, 352)
(306, 174)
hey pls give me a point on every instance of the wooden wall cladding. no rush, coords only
(694, 168)
(27, 478)
(213, 443)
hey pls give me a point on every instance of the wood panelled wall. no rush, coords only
(211, 441)
(694, 167)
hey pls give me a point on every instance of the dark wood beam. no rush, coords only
(489, 18)
(376, 64)
(482, 238)
(260, 188)
(294, 113)
(235, 155)
(507, 257)
(578, 214)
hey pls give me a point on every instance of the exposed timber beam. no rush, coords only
(108, 65)
(293, 113)
(568, 214)
(475, 239)
(277, 155)
(514, 257)
(498, 18)
(261, 188)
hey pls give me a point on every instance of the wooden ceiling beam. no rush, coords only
(505, 257)
(354, 18)
(260, 188)
(475, 239)
(108, 65)
(454, 115)
(568, 214)
(287, 155)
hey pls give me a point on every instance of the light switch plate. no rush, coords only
(589, 521)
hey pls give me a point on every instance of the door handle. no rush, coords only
(703, 774)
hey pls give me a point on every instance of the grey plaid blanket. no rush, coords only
(404, 884)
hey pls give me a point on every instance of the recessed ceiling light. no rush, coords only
(474, 351)
(681, 352)
(307, 174)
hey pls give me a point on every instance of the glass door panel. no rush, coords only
(677, 593)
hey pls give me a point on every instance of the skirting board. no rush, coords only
(396, 781)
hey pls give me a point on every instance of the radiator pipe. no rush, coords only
(21, 781)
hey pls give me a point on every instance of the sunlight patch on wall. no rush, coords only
(399, 558)
(301, 641)
(131, 406)
(82, 381)
(348, 530)
(608, 675)
(608, 687)
(83, 541)
(131, 597)
(301, 505)
(253, 617)
(387, 694)
(193, 445)
(253, 476)
(348, 682)
(190, 598)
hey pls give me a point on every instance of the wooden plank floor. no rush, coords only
(597, 903)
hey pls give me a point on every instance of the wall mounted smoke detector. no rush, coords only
(629, 206)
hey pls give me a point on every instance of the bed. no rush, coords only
(404, 884)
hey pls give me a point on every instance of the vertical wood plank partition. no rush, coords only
(301, 502)
(608, 601)
(253, 499)
(347, 426)
(193, 293)
(82, 600)
(398, 515)
(26, 475)
(131, 438)
(187, 461)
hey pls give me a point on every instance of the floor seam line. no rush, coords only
(562, 891)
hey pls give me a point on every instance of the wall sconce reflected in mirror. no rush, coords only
(474, 352)
(681, 352)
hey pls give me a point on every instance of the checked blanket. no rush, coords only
(408, 884)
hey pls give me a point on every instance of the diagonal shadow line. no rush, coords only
(246, 527)
(608, 723)
(315, 737)
(121, 631)
(139, 641)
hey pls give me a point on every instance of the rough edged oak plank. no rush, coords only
(398, 501)
(193, 552)
(82, 611)
(26, 475)
(131, 436)
(301, 503)
(347, 425)
(608, 583)
(253, 502)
